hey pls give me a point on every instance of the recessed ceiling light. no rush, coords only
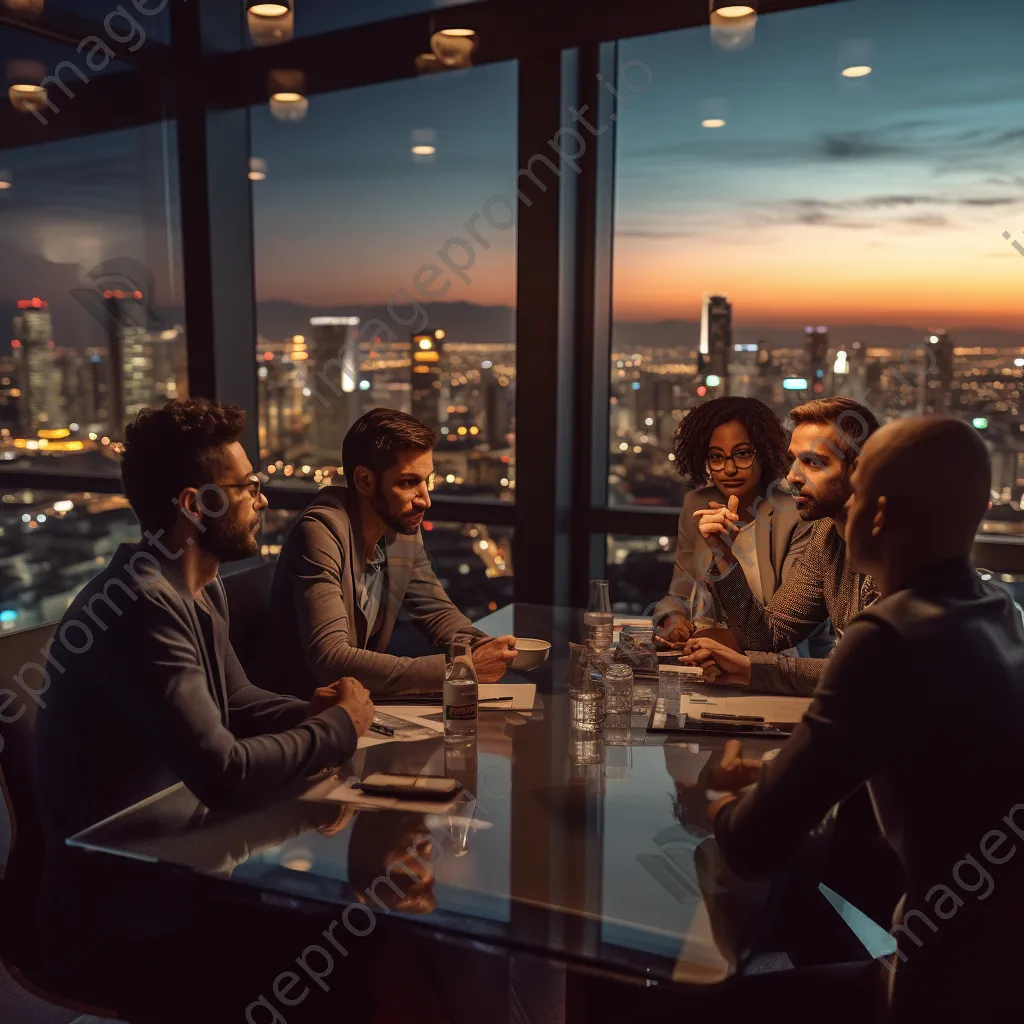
(712, 122)
(858, 71)
(268, 10)
(735, 11)
(424, 150)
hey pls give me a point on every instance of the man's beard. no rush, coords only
(827, 503)
(227, 541)
(380, 506)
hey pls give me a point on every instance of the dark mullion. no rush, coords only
(594, 256)
(544, 318)
(217, 231)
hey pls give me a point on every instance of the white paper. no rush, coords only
(783, 710)
(522, 695)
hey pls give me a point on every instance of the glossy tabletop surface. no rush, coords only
(588, 851)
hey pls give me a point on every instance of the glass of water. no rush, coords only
(618, 688)
(586, 709)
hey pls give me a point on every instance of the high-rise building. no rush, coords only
(938, 381)
(426, 381)
(333, 377)
(715, 349)
(36, 368)
(817, 358)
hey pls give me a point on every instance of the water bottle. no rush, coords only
(461, 690)
(598, 616)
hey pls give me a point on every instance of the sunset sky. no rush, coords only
(881, 200)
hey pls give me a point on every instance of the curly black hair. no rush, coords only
(693, 437)
(168, 448)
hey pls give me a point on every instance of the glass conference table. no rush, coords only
(608, 864)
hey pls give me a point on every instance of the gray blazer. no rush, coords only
(144, 689)
(781, 535)
(317, 632)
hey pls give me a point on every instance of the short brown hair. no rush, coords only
(841, 413)
(168, 448)
(376, 438)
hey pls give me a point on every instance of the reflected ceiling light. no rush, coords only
(287, 87)
(712, 122)
(257, 168)
(26, 91)
(270, 23)
(5, 179)
(427, 63)
(454, 47)
(858, 71)
(855, 59)
(23, 8)
(732, 24)
(424, 150)
(423, 145)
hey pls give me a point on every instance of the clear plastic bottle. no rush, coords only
(598, 617)
(461, 690)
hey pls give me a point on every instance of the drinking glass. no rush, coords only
(598, 616)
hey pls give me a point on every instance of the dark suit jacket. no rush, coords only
(781, 536)
(924, 701)
(138, 700)
(316, 632)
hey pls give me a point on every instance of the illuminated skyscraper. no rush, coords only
(817, 358)
(938, 383)
(715, 348)
(427, 350)
(36, 368)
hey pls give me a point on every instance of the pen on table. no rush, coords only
(382, 730)
(731, 718)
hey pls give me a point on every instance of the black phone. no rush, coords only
(419, 787)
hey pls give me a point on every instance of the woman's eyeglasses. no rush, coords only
(741, 458)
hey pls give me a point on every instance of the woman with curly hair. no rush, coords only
(730, 447)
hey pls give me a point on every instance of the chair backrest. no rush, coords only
(248, 593)
(17, 770)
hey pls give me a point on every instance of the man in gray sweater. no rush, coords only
(352, 562)
(141, 688)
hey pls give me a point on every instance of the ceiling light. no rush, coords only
(287, 87)
(732, 24)
(257, 168)
(5, 179)
(454, 47)
(263, 9)
(858, 71)
(423, 150)
(712, 122)
(270, 23)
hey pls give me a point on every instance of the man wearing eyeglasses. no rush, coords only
(141, 688)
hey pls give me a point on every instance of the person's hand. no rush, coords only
(734, 772)
(491, 659)
(721, 664)
(673, 631)
(324, 697)
(355, 699)
(717, 523)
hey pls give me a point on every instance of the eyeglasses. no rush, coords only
(254, 483)
(741, 458)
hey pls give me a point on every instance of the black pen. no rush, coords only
(731, 718)
(382, 730)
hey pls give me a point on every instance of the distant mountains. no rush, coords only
(465, 321)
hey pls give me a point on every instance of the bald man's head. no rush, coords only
(920, 489)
